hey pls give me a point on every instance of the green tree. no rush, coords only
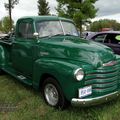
(6, 27)
(80, 10)
(43, 8)
(98, 25)
(9, 6)
(0, 25)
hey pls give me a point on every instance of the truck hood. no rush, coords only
(74, 48)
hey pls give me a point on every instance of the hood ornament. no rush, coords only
(111, 63)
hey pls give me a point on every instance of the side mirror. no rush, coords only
(36, 35)
(12, 29)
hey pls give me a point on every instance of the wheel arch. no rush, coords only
(44, 76)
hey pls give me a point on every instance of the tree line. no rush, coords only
(105, 23)
(81, 11)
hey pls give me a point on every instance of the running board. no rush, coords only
(17, 75)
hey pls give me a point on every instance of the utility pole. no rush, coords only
(80, 1)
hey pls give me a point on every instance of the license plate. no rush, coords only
(85, 91)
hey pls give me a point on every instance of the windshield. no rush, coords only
(51, 28)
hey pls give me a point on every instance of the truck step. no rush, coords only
(17, 75)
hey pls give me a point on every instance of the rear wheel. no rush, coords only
(53, 94)
(1, 72)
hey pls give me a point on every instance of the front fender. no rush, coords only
(61, 69)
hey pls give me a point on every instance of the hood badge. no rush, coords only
(44, 53)
(111, 63)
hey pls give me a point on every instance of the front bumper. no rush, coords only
(94, 101)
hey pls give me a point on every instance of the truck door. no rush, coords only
(23, 48)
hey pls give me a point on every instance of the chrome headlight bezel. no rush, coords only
(79, 74)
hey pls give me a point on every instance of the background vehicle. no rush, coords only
(108, 38)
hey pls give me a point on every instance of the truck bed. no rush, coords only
(7, 39)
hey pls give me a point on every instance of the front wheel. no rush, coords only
(53, 94)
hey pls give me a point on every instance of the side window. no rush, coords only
(100, 38)
(25, 30)
(111, 38)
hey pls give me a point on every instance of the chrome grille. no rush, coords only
(104, 79)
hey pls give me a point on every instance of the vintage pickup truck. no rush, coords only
(47, 53)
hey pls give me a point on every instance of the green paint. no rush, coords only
(60, 56)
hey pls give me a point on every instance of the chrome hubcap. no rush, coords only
(51, 94)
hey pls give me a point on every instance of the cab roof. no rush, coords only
(43, 18)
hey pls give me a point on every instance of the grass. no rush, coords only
(31, 106)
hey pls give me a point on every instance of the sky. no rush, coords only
(109, 9)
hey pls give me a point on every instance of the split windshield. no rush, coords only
(52, 28)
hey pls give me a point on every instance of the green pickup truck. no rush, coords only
(47, 53)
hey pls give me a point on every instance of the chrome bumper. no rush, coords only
(94, 101)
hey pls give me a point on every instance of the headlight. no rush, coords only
(79, 74)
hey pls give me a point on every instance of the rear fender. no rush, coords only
(2, 56)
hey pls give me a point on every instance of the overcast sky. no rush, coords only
(107, 9)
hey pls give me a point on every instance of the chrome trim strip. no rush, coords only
(94, 101)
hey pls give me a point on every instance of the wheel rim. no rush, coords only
(51, 94)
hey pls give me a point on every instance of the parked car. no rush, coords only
(47, 53)
(108, 38)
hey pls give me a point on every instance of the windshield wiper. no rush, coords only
(71, 35)
(45, 36)
(63, 35)
(49, 36)
(57, 35)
